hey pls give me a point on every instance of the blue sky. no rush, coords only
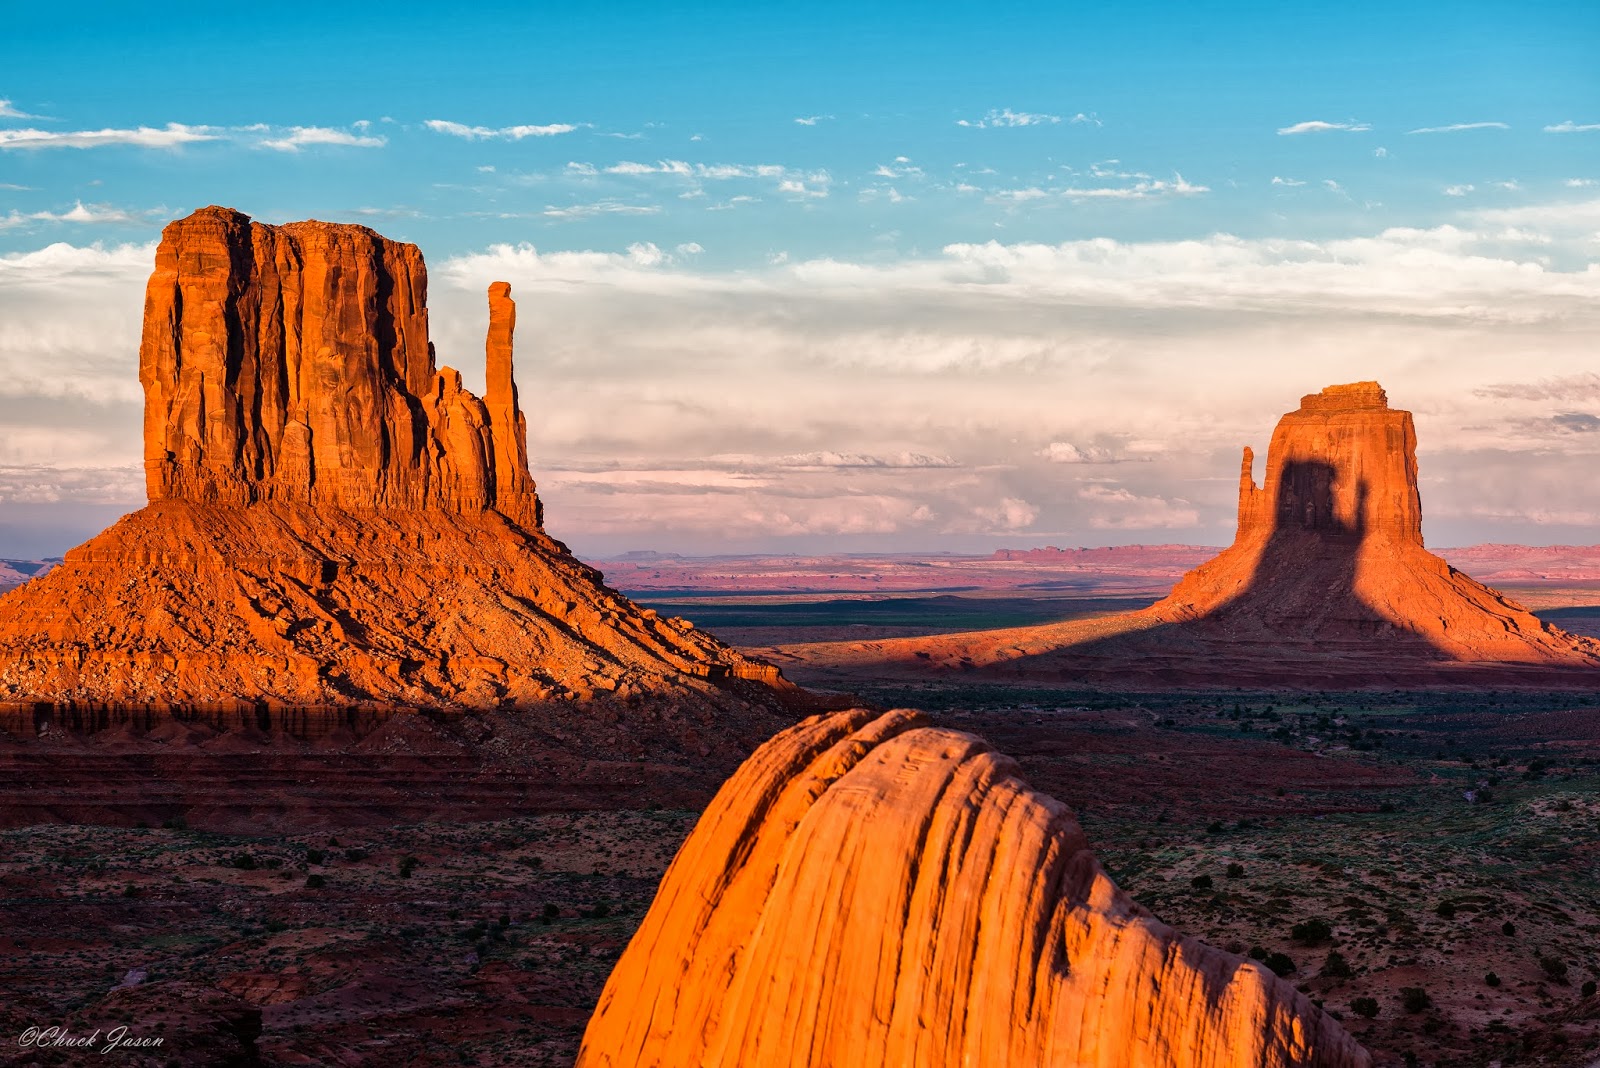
(722, 200)
(1164, 90)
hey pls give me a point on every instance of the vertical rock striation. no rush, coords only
(292, 363)
(869, 891)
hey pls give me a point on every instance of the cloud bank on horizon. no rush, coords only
(775, 296)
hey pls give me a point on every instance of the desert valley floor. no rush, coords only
(1421, 863)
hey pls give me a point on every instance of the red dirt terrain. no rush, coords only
(1108, 569)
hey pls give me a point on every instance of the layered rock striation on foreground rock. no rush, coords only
(333, 521)
(870, 891)
(1327, 584)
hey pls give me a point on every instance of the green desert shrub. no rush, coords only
(1336, 966)
(1312, 932)
(1414, 999)
(1279, 963)
(1555, 969)
(1367, 1007)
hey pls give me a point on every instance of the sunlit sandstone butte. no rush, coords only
(872, 892)
(1327, 583)
(333, 519)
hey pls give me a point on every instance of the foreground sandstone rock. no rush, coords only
(333, 520)
(1327, 584)
(870, 891)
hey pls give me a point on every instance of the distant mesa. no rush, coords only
(870, 891)
(1326, 584)
(334, 521)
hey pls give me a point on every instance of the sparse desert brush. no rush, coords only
(1414, 999)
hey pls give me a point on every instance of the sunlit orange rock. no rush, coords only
(333, 519)
(1329, 548)
(872, 892)
(1327, 583)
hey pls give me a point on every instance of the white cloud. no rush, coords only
(1457, 127)
(812, 120)
(910, 400)
(665, 166)
(1117, 508)
(1138, 191)
(830, 459)
(1458, 190)
(1108, 168)
(1010, 514)
(1580, 183)
(600, 207)
(79, 213)
(1318, 126)
(798, 189)
(1018, 196)
(173, 135)
(1005, 117)
(1082, 119)
(902, 167)
(7, 111)
(1065, 452)
(1572, 127)
(1380, 152)
(299, 137)
(504, 133)
(1291, 182)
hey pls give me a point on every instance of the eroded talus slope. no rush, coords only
(333, 519)
(870, 891)
(181, 605)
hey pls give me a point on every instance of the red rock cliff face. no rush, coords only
(1345, 461)
(872, 892)
(292, 363)
(333, 520)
